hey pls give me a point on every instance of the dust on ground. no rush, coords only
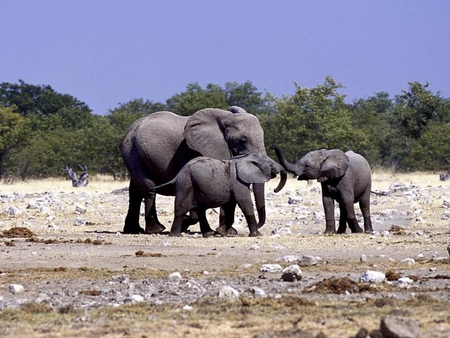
(81, 276)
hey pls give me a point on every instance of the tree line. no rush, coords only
(42, 130)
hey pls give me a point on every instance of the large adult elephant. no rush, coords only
(156, 147)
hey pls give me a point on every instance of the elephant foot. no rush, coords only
(255, 233)
(154, 229)
(357, 230)
(175, 234)
(209, 234)
(222, 231)
(187, 222)
(232, 232)
(329, 232)
(133, 230)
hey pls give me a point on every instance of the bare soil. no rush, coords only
(82, 277)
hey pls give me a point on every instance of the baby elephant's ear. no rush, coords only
(249, 172)
(335, 165)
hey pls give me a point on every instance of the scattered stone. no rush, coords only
(363, 258)
(271, 268)
(371, 276)
(175, 276)
(13, 211)
(282, 231)
(258, 292)
(393, 326)
(404, 282)
(309, 260)
(288, 259)
(80, 210)
(187, 308)
(79, 221)
(294, 200)
(137, 298)
(254, 247)
(16, 288)
(228, 293)
(291, 273)
(408, 261)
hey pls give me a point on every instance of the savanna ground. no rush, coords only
(82, 277)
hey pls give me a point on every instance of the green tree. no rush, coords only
(313, 118)
(14, 130)
(196, 98)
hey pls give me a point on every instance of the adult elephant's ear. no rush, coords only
(204, 133)
(249, 172)
(335, 165)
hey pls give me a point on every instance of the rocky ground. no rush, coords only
(66, 269)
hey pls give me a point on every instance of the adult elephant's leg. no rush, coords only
(152, 224)
(227, 219)
(328, 207)
(351, 216)
(134, 208)
(364, 204)
(342, 219)
(258, 191)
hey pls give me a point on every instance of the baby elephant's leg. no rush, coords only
(227, 214)
(204, 225)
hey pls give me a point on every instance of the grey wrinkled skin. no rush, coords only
(345, 178)
(205, 183)
(156, 147)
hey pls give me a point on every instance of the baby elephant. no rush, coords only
(205, 183)
(345, 177)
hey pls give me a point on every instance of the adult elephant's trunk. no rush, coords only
(283, 179)
(287, 165)
(258, 191)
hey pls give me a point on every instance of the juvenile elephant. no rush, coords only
(156, 147)
(345, 177)
(205, 183)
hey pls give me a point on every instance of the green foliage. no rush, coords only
(196, 98)
(312, 119)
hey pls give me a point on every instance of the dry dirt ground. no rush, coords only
(67, 270)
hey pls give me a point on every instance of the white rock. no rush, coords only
(259, 293)
(309, 260)
(282, 231)
(371, 276)
(291, 273)
(187, 308)
(80, 209)
(288, 258)
(228, 293)
(408, 261)
(137, 298)
(363, 258)
(254, 247)
(79, 221)
(271, 268)
(404, 281)
(175, 276)
(16, 288)
(13, 211)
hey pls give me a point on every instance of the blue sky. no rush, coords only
(106, 52)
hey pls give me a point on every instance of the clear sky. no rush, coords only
(106, 52)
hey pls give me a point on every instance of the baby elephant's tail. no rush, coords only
(163, 185)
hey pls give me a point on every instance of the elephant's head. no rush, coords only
(321, 164)
(258, 168)
(221, 134)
